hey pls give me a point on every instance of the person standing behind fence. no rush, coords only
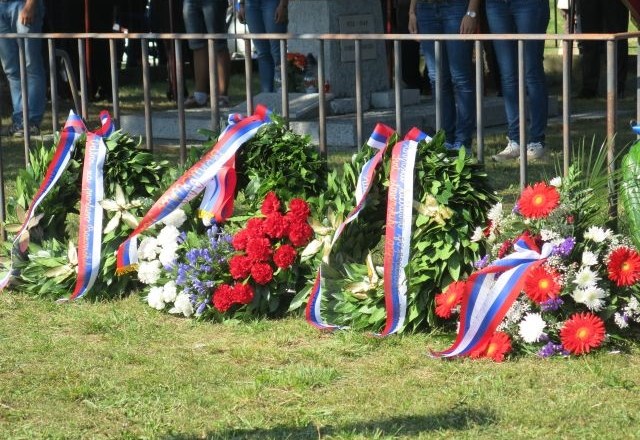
(270, 17)
(457, 88)
(523, 17)
(23, 17)
(602, 16)
(200, 17)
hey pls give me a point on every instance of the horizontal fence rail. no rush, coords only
(81, 102)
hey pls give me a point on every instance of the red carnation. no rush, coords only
(299, 209)
(258, 249)
(284, 256)
(239, 266)
(242, 293)
(262, 273)
(270, 204)
(538, 201)
(582, 332)
(450, 298)
(300, 233)
(223, 298)
(254, 226)
(505, 248)
(239, 240)
(276, 225)
(624, 266)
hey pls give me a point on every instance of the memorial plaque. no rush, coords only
(356, 24)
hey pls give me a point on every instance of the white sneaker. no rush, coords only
(511, 151)
(535, 150)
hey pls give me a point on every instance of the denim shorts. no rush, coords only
(205, 17)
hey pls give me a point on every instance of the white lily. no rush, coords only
(121, 208)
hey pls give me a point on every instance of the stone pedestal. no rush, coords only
(346, 17)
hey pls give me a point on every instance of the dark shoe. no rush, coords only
(192, 102)
(17, 131)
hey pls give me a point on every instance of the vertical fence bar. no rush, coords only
(522, 108)
(322, 110)
(84, 87)
(285, 81)
(248, 74)
(397, 82)
(53, 84)
(25, 97)
(359, 106)
(567, 52)
(180, 101)
(612, 98)
(213, 87)
(438, 90)
(115, 87)
(148, 129)
(479, 100)
(638, 85)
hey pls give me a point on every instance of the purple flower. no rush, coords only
(481, 262)
(551, 304)
(516, 209)
(564, 248)
(551, 349)
(201, 308)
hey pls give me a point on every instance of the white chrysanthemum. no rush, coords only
(148, 249)
(149, 271)
(167, 256)
(592, 297)
(633, 304)
(495, 213)
(516, 311)
(620, 321)
(531, 328)
(585, 277)
(169, 292)
(154, 298)
(176, 218)
(589, 258)
(182, 305)
(597, 234)
(478, 233)
(556, 181)
(548, 235)
(168, 235)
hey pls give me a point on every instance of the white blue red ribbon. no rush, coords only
(191, 183)
(490, 292)
(379, 139)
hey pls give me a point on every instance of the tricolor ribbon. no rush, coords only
(490, 292)
(193, 182)
(90, 233)
(403, 158)
(219, 195)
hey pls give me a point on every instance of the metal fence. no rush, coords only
(566, 41)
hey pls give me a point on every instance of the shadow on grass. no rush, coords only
(458, 419)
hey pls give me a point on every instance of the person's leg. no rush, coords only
(616, 19)
(268, 13)
(430, 21)
(460, 56)
(9, 58)
(36, 76)
(532, 17)
(257, 25)
(194, 24)
(590, 15)
(501, 21)
(215, 22)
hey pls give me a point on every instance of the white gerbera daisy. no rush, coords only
(154, 298)
(585, 277)
(597, 234)
(531, 328)
(589, 258)
(478, 233)
(182, 305)
(556, 181)
(495, 213)
(149, 271)
(176, 218)
(148, 249)
(620, 320)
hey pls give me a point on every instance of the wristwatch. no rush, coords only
(472, 14)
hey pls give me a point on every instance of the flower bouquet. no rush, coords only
(552, 282)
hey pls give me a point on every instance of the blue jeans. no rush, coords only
(525, 17)
(457, 95)
(205, 17)
(36, 80)
(260, 18)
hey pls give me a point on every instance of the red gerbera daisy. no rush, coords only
(542, 284)
(450, 298)
(582, 332)
(538, 201)
(624, 266)
(496, 348)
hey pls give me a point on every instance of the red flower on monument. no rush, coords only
(242, 293)
(538, 201)
(240, 267)
(276, 225)
(262, 273)
(300, 233)
(270, 204)
(582, 332)
(259, 249)
(223, 298)
(299, 209)
(496, 348)
(284, 256)
(542, 284)
(449, 299)
(624, 266)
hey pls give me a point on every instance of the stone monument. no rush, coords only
(343, 17)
